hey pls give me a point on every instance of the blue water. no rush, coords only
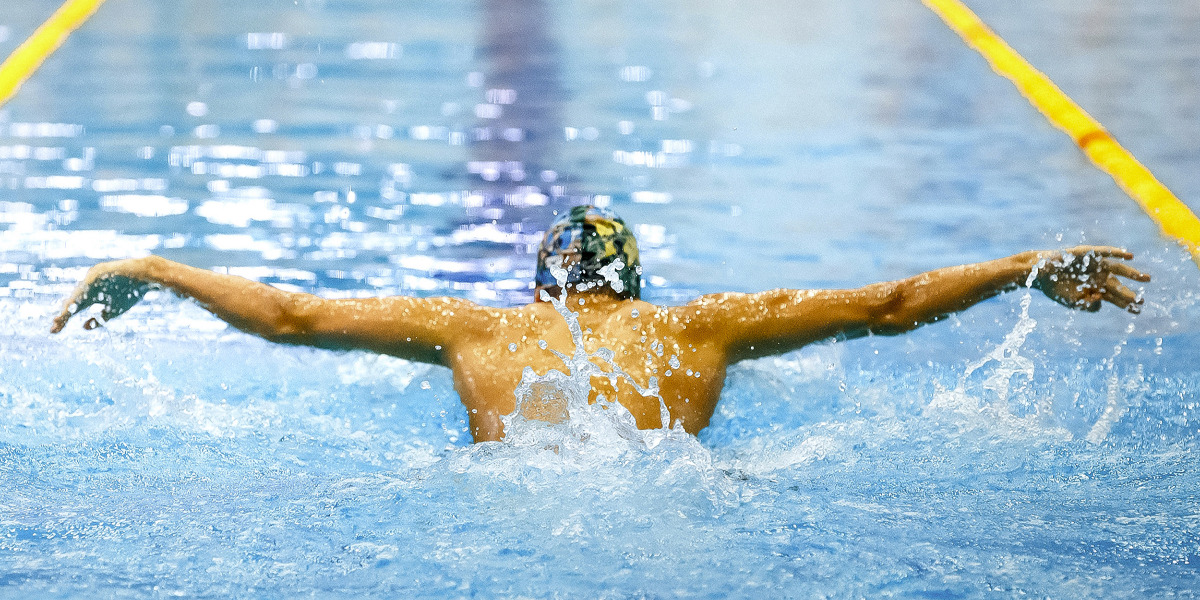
(372, 147)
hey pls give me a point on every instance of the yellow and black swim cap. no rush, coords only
(595, 248)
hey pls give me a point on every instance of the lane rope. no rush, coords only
(1173, 216)
(26, 59)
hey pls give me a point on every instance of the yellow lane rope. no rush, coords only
(1172, 215)
(29, 56)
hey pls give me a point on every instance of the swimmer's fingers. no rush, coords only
(1084, 277)
(1118, 293)
(1101, 251)
(1124, 270)
(116, 293)
(61, 320)
(1121, 296)
(79, 300)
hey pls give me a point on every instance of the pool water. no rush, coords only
(360, 148)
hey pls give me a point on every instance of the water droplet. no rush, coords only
(542, 344)
(634, 313)
(512, 347)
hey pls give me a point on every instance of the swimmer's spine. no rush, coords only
(1172, 215)
(26, 59)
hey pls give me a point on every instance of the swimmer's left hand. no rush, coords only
(1084, 277)
(108, 285)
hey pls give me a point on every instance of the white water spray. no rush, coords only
(583, 420)
(1009, 364)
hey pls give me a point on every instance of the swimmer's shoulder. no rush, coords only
(530, 315)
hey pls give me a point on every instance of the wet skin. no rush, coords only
(488, 348)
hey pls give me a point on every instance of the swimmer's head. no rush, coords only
(594, 250)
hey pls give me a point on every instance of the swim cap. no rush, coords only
(595, 248)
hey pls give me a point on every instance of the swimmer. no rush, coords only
(594, 254)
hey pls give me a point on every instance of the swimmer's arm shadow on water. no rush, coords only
(419, 329)
(778, 321)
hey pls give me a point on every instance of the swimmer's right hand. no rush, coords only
(1083, 276)
(113, 285)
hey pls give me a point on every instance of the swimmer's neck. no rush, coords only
(591, 298)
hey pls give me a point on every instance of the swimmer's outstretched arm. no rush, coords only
(411, 328)
(777, 321)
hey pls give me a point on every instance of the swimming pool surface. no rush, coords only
(370, 147)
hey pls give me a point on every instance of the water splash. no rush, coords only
(1009, 364)
(554, 410)
(1121, 395)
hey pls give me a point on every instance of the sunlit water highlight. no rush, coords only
(1016, 450)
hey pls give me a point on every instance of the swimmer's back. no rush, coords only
(646, 341)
